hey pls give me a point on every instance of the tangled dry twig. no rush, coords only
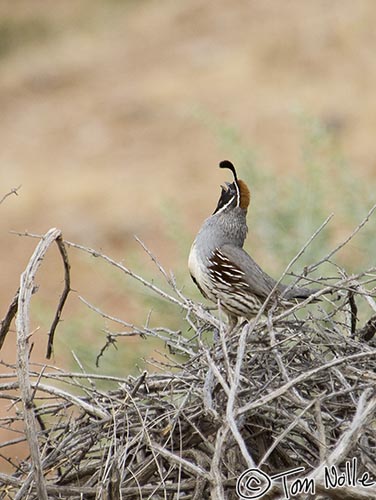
(293, 392)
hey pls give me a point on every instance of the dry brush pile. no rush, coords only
(292, 391)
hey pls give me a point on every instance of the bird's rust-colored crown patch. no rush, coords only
(245, 194)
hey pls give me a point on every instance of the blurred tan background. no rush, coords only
(114, 116)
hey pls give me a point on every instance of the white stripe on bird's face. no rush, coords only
(237, 194)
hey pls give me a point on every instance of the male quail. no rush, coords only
(219, 266)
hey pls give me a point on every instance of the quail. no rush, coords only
(222, 270)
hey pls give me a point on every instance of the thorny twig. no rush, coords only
(335, 250)
(12, 191)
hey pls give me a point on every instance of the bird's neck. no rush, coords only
(229, 228)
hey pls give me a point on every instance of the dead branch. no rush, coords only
(13, 307)
(279, 393)
(64, 296)
(12, 191)
(10, 315)
(23, 372)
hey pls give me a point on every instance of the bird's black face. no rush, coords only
(228, 198)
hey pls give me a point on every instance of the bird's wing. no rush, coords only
(233, 265)
(258, 280)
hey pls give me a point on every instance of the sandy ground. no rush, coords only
(112, 121)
